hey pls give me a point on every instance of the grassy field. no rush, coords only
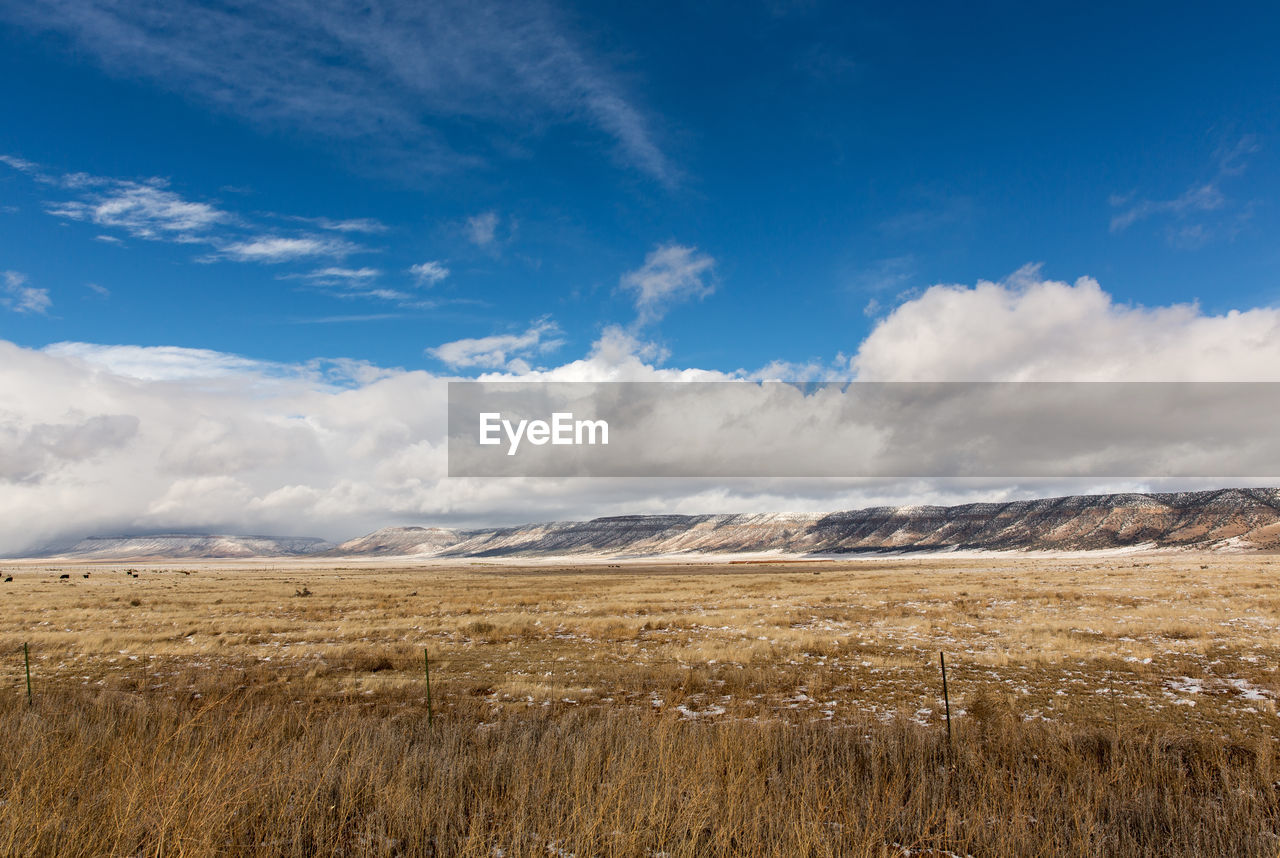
(1101, 705)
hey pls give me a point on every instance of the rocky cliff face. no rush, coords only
(1227, 518)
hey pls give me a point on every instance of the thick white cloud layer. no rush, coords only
(104, 439)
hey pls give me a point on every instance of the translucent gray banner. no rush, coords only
(864, 429)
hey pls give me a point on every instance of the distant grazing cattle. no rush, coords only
(63, 575)
(86, 574)
(8, 578)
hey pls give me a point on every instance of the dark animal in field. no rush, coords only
(8, 578)
(63, 576)
(86, 574)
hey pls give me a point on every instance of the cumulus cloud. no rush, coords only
(16, 295)
(104, 439)
(108, 439)
(428, 273)
(112, 438)
(37, 451)
(501, 350)
(1027, 328)
(672, 273)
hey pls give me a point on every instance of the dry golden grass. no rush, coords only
(1102, 706)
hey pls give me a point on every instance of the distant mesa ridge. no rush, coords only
(196, 546)
(1223, 519)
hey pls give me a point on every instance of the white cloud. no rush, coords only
(144, 210)
(892, 274)
(352, 283)
(16, 295)
(337, 276)
(385, 82)
(500, 350)
(1026, 328)
(671, 273)
(22, 165)
(1200, 198)
(160, 363)
(482, 228)
(429, 273)
(361, 224)
(1200, 213)
(273, 249)
(618, 355)
(150, 210)
(1232, 158)
(383, 294)
(32, 451)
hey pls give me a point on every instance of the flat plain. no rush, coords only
(1100, 704)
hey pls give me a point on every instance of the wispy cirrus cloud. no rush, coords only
(1198, 198)
(16, 295)
(151, 210)
(274, 249)
(365, 282)
(337, 276)
(482, 229)
(1232, 158)
(146, 210)
(366, 225)
(931, 210)
(1203, 211)
(22, 165)
(406, 80)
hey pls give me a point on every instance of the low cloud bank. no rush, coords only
(109, 439)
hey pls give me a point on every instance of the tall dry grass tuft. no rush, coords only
(259, 770)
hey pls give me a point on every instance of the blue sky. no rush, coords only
(830, 160)
(243, 245)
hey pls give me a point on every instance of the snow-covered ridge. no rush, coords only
(192, 546)
(1224, 519)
